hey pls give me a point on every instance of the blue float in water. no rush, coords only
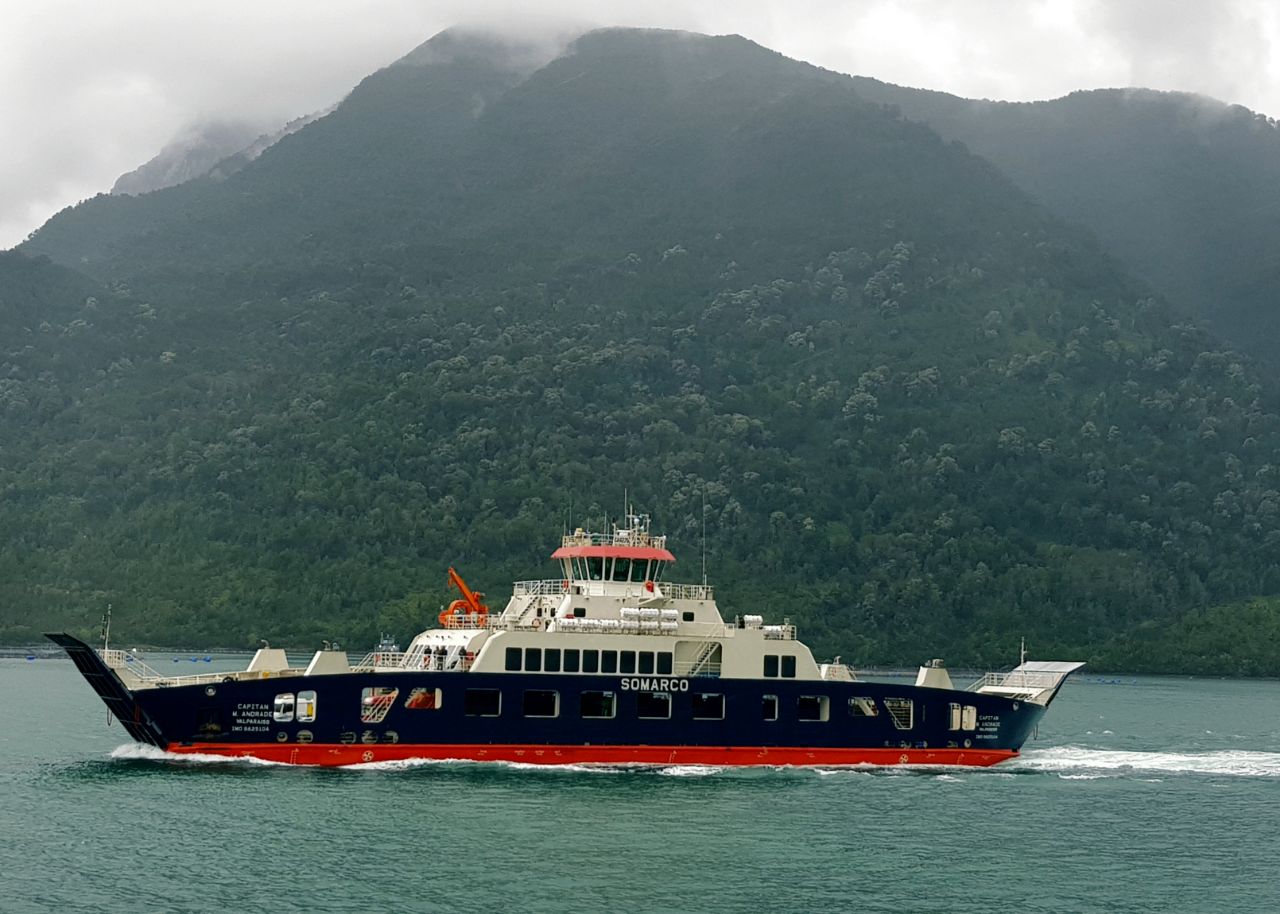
(31, 656)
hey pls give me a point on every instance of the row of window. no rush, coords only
(377, 701)
(657, 706)
(574, 660)
(779, 665)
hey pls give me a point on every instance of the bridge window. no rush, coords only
(769, 707)
(306, 707)
(282, 708)
(788, 667)
(639, 571)
(597, 704)
(771, 666)
(621, 569)
(482, 702)
(628, 662)
(902, 710)
(513, 659)
(533, 659)
(595, 569)
(572, 662)
(375, 702)
(664, 663)
(551, 660)
(812, 707)
(646, 661)
(541, 703)
(608, 661)
(863, 707)
(707, 706)
(653, 705)
(590, 661)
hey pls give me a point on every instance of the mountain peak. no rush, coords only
(518, 52)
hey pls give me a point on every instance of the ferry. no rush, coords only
(609, 663)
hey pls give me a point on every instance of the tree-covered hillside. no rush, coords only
(475, 302)
(1185, 189)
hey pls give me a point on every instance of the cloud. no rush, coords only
(90, 91)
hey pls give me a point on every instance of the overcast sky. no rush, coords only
(91, 90)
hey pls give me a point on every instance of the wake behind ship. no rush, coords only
(608, 663)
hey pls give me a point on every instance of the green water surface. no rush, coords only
(1139, 795)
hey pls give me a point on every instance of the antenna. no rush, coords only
(704, 536)
(106, 628)
(1022, 652)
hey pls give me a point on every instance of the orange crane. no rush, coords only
(467, 612)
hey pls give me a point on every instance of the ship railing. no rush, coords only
(1030, 681)
(633, 537)
(554, 587)
(129, 663)
(380, 660)
(558, 587)
(695, 670)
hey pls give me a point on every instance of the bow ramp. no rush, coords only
(1035, 681)
(118, 699)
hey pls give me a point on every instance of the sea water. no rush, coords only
(1149, 794)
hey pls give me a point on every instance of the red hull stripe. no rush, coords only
(609, 552)
(312, 754)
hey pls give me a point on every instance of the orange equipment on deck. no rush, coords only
(468, 612)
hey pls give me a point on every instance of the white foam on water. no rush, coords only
(542, 768)
(1078, 763)
(689, 771)
(143, 752)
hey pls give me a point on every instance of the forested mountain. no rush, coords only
(1184, 189)
(489, 291)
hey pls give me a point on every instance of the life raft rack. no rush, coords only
(467, 612)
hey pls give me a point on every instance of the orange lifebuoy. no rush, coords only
(537, 622)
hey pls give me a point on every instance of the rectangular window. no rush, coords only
(579, 612)
(769, 707)
(513, 659)
(375, 702)
(551, 660)
(969, 718)
(482, 702)
(902, 710)
(597, 704)
(608, 661)
(282, 708)
(646, 662)
(424, 700)
(953, 716)
(771, 666)
(653, 705)
(788, 667)
(533, 659)
(590, 661)
(664, 663)
(687, 615)
(541, 703)
(812, 707)
(306, 707)
(628, 662)
(571, 662)
(708, 706)
(863, 707)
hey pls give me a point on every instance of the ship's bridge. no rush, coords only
(627, 555)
